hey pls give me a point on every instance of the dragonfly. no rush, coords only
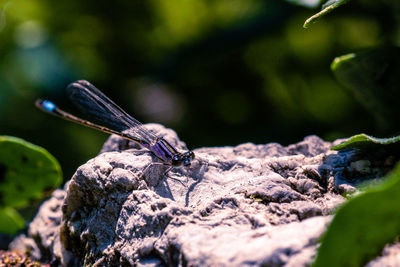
(106, 116)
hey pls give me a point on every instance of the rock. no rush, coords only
(43, 241)
(390, 257)
(247, 205)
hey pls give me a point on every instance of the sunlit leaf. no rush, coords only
(27, 172)
(326, 8)
(365, 141)
(363, 226)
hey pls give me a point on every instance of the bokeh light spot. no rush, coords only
(30, 34)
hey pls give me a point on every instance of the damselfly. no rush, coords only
(110, 118)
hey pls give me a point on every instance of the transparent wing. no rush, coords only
(103, 111)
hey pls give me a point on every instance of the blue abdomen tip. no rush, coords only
(47, 105)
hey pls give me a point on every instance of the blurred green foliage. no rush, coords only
(27, 173)
(218, 72)
(363, 226)
(373, 76)
(10, 220)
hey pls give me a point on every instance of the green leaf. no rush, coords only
(363, 141)
(363, 226)
(373, 77)
(10, 221)
(326, 8)
(27, 172)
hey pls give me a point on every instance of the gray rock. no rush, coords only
(390, 257)
(248, 205)
(43, 240)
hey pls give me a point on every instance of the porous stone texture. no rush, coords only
(248, 205)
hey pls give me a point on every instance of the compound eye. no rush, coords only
(186, 162)
(189, 154)
(176, 160)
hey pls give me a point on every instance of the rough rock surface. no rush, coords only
(248, 205)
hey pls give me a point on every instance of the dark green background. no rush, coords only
(218, 72)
